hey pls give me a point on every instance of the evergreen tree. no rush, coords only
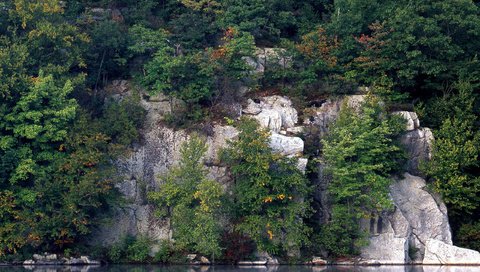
(360, 153)
(270, 192)
(192, 201)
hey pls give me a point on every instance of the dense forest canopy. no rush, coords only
(60, 132)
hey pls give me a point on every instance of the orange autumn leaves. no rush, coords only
(317, 45)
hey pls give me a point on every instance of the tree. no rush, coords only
(360, 153)
(455, 155)
(422, 45)
(57, 177)
(269, 192)
(192, 201)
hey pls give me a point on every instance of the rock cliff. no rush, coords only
(415, 231)
(159, 150)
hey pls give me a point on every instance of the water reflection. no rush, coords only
(152, 268)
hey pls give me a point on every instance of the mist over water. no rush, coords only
(221, 268)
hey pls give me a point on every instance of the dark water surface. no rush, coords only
(220, 268)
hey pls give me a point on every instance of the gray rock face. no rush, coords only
(322, 116)
(285, 145)
(325, 112)
(160, 150)
(273, 112)
(438, 252)
(284, 107)
(143, 171)
(270, 119)
(277, 114)
(386, 248)
(268, 57)
(424, 211)
(418, 145)
(411, 117)
(419, 215)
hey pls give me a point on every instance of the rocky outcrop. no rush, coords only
(53, 259)
(418, 145)
(438, 252)
(268, 57)
(273, 112)
(322, 114)
(424, 211)
(159, 150)
(411, 117)
(400, 236)
(277, 114)
(285, 145)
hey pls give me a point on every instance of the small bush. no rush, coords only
(139, 250)
(237, 246)
(164, 253)
(469, 236)
(130, 250)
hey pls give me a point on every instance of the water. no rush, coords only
(220, 268)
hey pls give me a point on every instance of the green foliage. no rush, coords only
(164, 252)
(139, 250)
(455, 155)
(197, 77)
(192, 201)
(59, 132)
(107, 54)
(342, 235)
(423, 44)
(469, 235)
(360, 153)
(130, 249)
(57, 175)
(269, 192)
(121, 120)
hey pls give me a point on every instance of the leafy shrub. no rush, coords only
(469, 235)
(130, 249)
(237, 247)
(267, 192)
(192, 201)
(165, 252)
(360, 153)
(139, 250)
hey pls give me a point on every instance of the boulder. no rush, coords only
(355, 101)
(296, 130)
(386, 248)
(438, 252)
(268, 57)
(270, 119)
(302, 164)
(250, 263)
(273, 112)
(204, 260)
(89, 261)
(264, 256)
(285, 145)
(191, 257)
(418, 145)
(284, 107)
(318, 261)
(28, 262)
(411, 117)
(252, 107)
(425, 212)
(257, 66)
(401, 234)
